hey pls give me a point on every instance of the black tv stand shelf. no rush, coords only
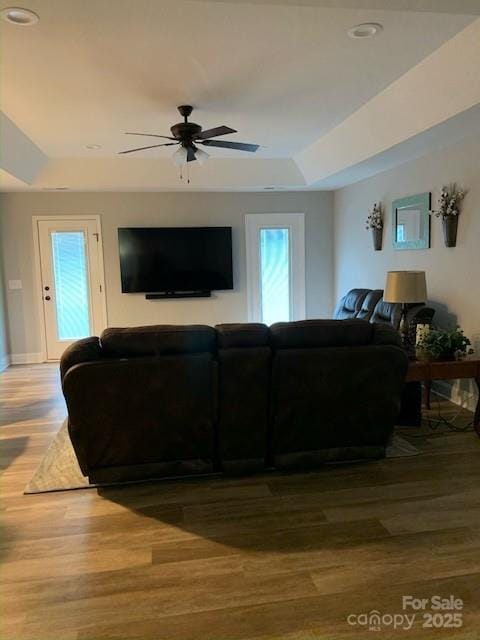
(168, 295)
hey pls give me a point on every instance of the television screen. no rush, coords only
(175, 259)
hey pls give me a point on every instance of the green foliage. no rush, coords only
(445, 343)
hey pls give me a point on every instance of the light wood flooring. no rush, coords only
(268, 557)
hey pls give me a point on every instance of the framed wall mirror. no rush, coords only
(411, 222)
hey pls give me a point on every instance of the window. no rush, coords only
(275, 267)
(71, 284)
(275, 275)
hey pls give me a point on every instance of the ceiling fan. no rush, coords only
(188, 135)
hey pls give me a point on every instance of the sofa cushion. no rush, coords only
(157, 340)
(242, 335)
(306, 334)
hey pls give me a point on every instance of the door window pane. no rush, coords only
(71, 284)
(275, 275)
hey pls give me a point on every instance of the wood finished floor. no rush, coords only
(270, 557)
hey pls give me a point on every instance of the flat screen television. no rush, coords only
(175, 259)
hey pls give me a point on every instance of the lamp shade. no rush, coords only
(405, 287)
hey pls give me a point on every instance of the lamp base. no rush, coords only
(404, 330)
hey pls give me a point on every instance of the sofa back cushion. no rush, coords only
(244, 361)
(387, 313)
(242, 335)
(151, 415)
(307, 334)
(350, 304)
(369, 304)
(157, 340)
(333, 397)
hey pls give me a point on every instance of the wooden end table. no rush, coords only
(427, 372)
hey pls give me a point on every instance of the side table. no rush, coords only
(427, 372)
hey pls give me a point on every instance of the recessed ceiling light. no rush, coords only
(19, 16)
(365, 30)
(94, 146)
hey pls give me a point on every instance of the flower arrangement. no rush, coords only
(449, 202)
(375, 218)
(443, 344)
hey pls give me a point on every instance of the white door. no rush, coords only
(275, 267)
(71, 274)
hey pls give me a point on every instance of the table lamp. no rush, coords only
(405, 287)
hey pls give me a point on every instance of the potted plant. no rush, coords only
(375, 223)
(443, 344)
(449, 205)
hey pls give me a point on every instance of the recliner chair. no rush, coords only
(368, 304)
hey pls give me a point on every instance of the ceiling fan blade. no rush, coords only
(226, 144)
(151, 135)
(191, 154)
(153, 146)
(213, 133)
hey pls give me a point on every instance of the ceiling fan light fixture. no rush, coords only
(180, 156)
(201, 156)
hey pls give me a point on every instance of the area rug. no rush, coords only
(59, 470)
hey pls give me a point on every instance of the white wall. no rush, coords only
(453, 274)
(4, 349)
(158, 209)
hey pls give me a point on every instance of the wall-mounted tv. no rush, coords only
(175, 259)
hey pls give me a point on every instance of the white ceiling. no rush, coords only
(433, 6)
(283, 75)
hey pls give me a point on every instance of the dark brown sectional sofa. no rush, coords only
(166, 401)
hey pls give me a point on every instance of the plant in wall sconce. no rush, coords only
(375, 223)
(449, 205)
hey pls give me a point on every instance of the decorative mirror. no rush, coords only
(411, 222)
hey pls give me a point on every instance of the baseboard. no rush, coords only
(459, 392)
(27, 358)
(4, 363)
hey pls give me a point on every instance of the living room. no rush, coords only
(282, 447)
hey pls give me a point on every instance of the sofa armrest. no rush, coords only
(85, 350)
(385, 334)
